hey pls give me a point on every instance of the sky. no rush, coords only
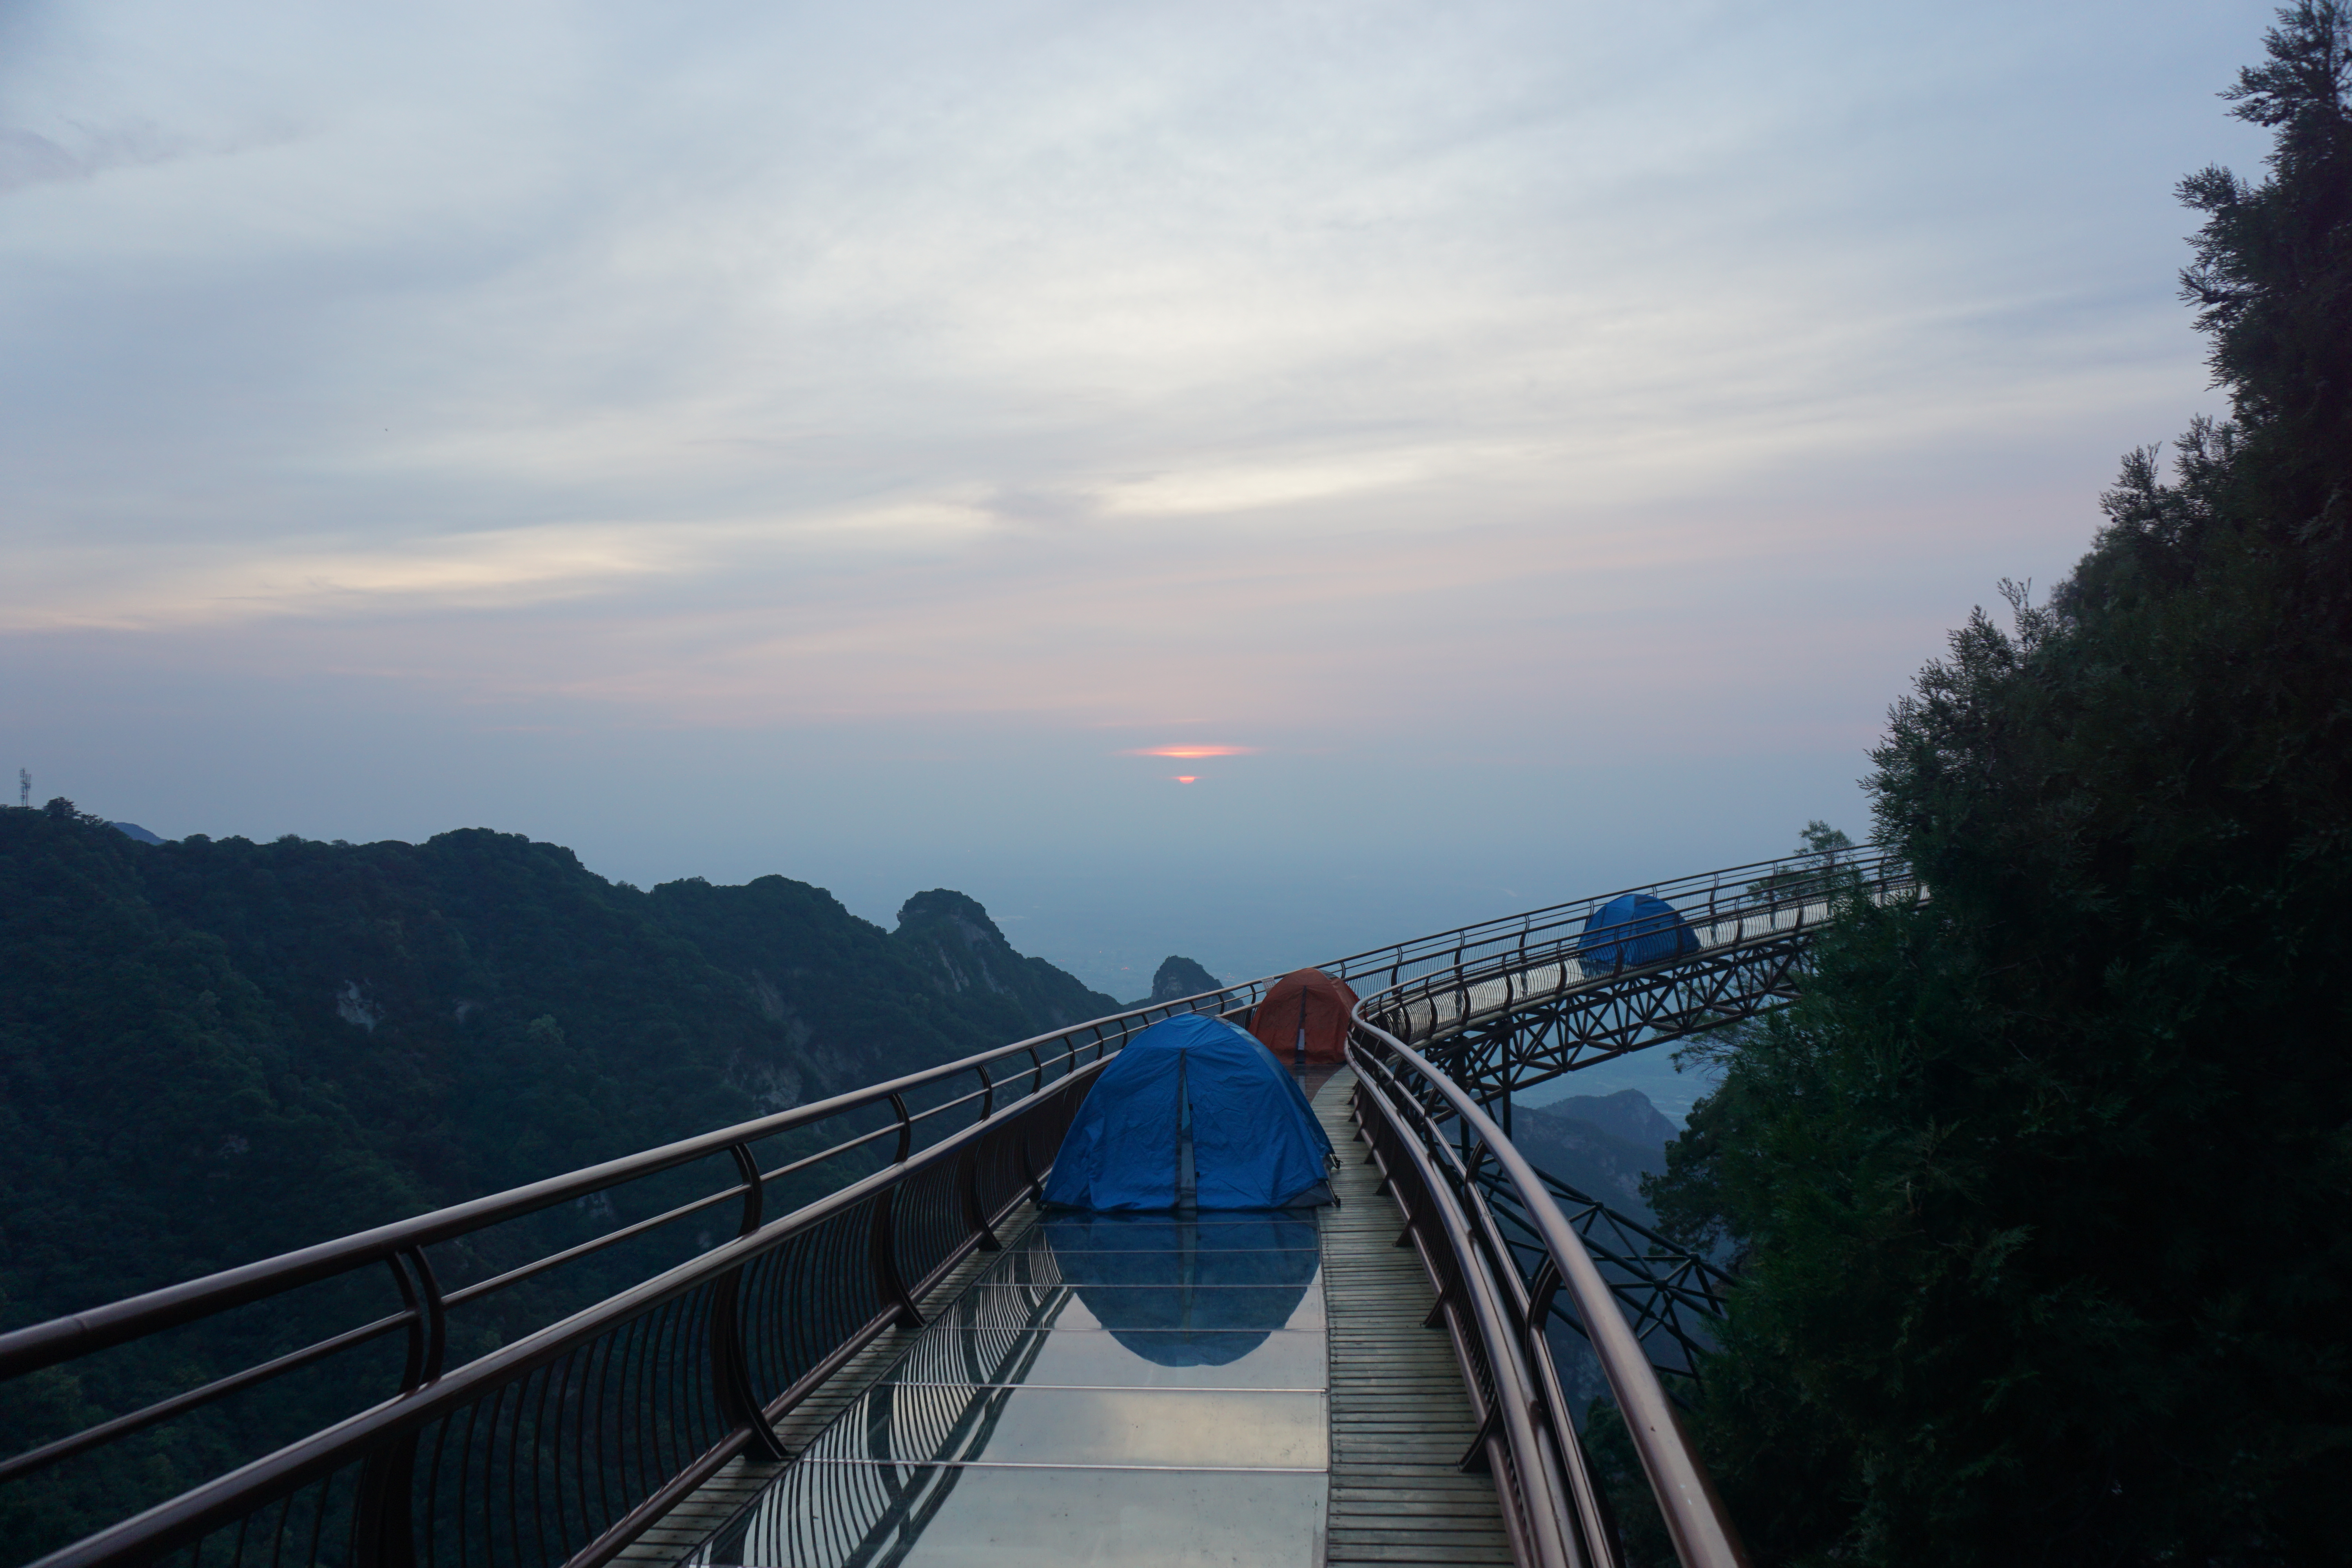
(1517, 450)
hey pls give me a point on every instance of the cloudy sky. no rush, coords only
(1525, 447)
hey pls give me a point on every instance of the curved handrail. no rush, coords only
(99, 1327)
(1759, 881)
(1696, 1522)
(1550, 1510)
(1720, 911)
(925, 1112)
(362, 1436)
(943, 1107)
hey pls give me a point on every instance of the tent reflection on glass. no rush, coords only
(1182, 1292)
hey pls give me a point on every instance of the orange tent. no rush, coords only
(1304, 1017)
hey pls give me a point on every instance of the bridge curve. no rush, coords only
(567, 1442)
(1518, 1007)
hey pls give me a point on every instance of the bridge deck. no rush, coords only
(1138, 1389)
(1502, 986)
(693, 1522)
(1401, 1419)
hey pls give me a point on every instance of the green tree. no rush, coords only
(2038, 1190)
(1820, 838)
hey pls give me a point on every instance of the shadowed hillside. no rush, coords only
(1600, 1144)
(212, 1052)
(217, 1051)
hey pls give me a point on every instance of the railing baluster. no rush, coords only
(882, 1257)
(975, 1212)
(731, 1363)
(383, 1512)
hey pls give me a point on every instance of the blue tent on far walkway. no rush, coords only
(1631, 930)
(1193, 1111)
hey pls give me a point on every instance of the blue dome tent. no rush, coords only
(1631, 930)
(1193, 1111)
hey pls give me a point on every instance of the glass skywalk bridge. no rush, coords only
(1116, 1389)
(460, 1394)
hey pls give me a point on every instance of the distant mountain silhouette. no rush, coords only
(133, 830)
(951, 938)
(1627, 1114)
(1603, 1145)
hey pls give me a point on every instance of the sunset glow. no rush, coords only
(1189, 752)
(1529, 418)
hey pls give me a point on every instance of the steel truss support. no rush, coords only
(1538, 1038)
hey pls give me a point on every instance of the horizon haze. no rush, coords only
(1246, 482)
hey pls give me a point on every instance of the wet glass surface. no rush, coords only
(820, 1516)
(1164, 1235)
(1136, 1310)
(1119, 1388)
(1018, 1426)
(1286, 1357)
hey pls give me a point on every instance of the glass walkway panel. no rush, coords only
(1141, 1389)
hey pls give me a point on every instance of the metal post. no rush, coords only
(975, 1212)
(383, 1526)
(731, 1356)
(882, 1255)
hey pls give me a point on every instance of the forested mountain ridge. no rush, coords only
(211, 1051)
(967, 954)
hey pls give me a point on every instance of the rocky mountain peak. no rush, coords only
(1179, 976)
(960, 911)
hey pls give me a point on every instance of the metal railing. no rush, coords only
(560, 1446)
(556, 1441)
(1550, 952)
(1669, 1296)
(1445, 1162)
(1514, 1252)
(1510, 943)
(1558, 992)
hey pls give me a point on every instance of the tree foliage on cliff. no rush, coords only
(2039, 1192)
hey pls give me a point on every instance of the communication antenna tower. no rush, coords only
(24, 789)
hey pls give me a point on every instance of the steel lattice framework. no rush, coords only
(1508, 1017)
(1668, 1296)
